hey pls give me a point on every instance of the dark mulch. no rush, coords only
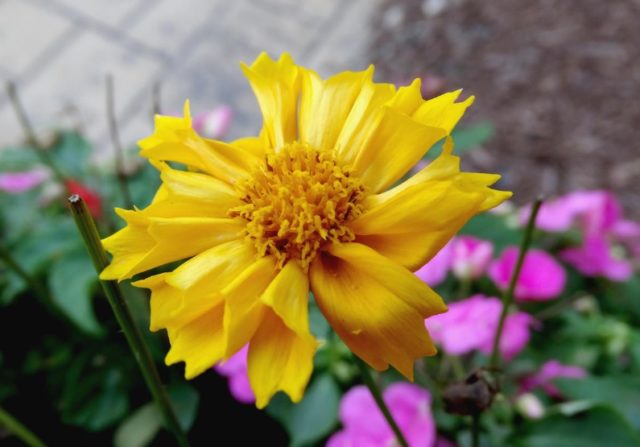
(560, 80)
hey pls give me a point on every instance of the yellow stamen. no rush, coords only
(301, 199)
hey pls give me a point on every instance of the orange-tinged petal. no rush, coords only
(376, 306)
(276, 86)
(199, 343)
(325, 105)
(279, 359)
(243, 307)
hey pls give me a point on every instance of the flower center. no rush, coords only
(298, 201)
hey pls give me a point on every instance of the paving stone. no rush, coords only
(108, 12)
(74, 83)
(169, 23)
(26, 31)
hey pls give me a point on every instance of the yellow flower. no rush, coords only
(309, 204)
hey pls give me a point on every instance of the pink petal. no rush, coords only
(214, 123)
(435, 271)
(594, 258)
(18, 182)
(471, 257)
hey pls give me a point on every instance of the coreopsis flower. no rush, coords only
(542, 278)
(311, 203)
(364, 425)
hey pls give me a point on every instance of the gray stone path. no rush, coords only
(59, 51)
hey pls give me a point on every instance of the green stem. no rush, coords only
(117, 145)
(15, 426)
(114, 294)
(32, 139)
(507, 296)
(475, 430)
(377, 396)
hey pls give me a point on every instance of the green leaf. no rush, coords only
(72, 280)
(185, 400)
(600, 426)
(494, 228)
(621, 392)
(18, 158)
(71, 153)
(314, 417)
(95, 402)
(139, 429)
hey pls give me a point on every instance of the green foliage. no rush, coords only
(597, 427)
(314, 417)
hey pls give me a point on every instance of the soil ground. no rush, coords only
(559, 79)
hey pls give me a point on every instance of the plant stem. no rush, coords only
(32, 139)
(377, 396)
(15, 426)
(116, 298)
(155, 100)
(475, 430)
(507, 296)
(117, 145)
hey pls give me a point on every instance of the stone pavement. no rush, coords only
(59, 52)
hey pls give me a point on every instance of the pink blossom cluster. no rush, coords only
(471, 325)
(598, 215)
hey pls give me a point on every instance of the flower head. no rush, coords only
(309, 204)
(17, 182)
(552, 369)
(541, 278)
(595, 258)
(471, 324)
(364, 425)
(471, 257)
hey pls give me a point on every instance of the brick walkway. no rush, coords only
(59, 51)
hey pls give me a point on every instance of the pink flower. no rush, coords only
(627, 233)
(595, 211)
(18, 182)
(214, 123)
(364, 425)
(435, 271)
(471, 324)
(471, 257)
(235, 369)
(594, 258)
(552, 369)
(541, 278)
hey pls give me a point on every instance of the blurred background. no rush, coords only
(555, 84)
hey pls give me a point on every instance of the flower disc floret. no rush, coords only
(298, 201)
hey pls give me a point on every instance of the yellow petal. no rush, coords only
(276, 87)
(362, 120)
(279, 360)
(149, 242)
(413, 221)
(325, 105)
(201, 189)
(376, 306)
(288, 296)
(200, 343)
(164, 302)
(175, 140)
(216, 267)
(443, 111)
(254, 145)
(397, 144)
(243, 308)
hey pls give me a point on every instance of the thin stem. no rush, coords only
(116, 298)
(475, 430)
(507, 296)
(377, 396)
(155, 98)
(32, 139)
(17, 428)
(117, 144)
